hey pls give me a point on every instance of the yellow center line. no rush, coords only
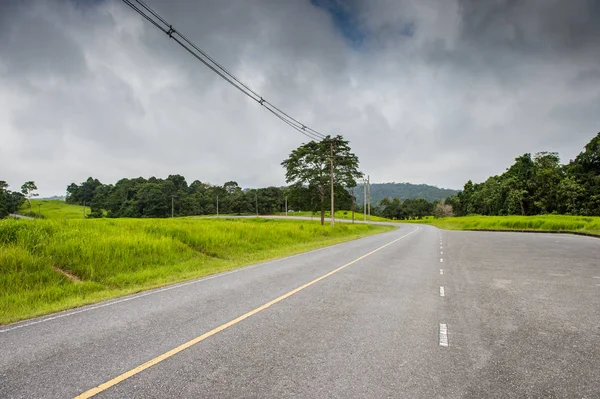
(174, 351)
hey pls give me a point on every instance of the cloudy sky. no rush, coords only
(433, 92)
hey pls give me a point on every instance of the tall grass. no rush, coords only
(113, 257)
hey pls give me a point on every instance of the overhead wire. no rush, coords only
(153, 17)
(232, 76)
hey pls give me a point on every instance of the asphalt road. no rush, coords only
(519, 318)
(14, 215)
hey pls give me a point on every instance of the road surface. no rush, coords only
(412, 313)
(16, 216)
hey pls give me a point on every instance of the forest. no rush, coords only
(537, 185)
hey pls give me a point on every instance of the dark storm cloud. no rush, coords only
(428, 91)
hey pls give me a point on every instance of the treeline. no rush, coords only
(404, 210)
(537, 185)
(156, 198)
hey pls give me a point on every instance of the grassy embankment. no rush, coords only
(51, 265)
(547, 223)
(53, 209)
(541, 223)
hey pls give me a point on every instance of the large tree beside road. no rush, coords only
(309, 167)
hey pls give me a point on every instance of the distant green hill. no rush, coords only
(404, 191)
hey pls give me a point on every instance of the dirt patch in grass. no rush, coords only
(67, 274)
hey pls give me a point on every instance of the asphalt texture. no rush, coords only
(522, 313)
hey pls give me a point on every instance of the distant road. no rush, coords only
(14, 215)
(412, 313)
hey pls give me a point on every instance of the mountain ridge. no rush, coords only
(404, 191)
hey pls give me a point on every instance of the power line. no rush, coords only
(159, 22)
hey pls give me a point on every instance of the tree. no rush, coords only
(82, 194)
(98, 202)
(152, 201)
(309, 165)
(28, 189)
(4, 194)
(10, 201)
(589, 159)
(443, 210)
(586, 171)
(547, 176)
(72, 194)
(571, 195)
(407, 209)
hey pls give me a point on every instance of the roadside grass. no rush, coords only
(553, 223)
(53, 209)
(541, 223)
(41, 261)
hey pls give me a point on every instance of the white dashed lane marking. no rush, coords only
(443, 327)
(443, 335)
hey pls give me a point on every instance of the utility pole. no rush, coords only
(364, 200)
(256, 201)
(332, 200)
(217, 206)
(369, 189)
(83, 209)
(172, 205)
(286, 213)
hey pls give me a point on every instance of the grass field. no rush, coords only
(51, 265)
(54, 209)
(554, 223)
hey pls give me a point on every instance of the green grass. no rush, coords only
(114, 257)
(554, 223)
(53, 209)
